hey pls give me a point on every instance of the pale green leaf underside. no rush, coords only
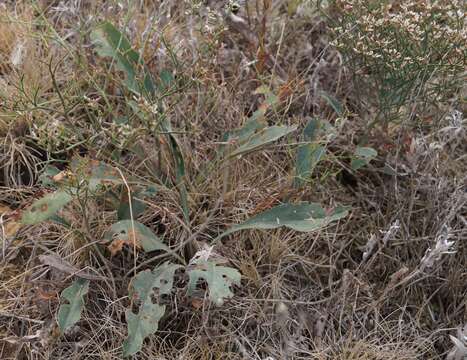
(70, 313)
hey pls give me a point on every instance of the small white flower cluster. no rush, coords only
(412, 33)
(402, 48)
(53, 134)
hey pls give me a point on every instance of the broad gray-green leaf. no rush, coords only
(248, 129)
(146, 321)
(135, 233)
(262, 138)
(300, 217)
(109, 41)
(45, 208)
(70, 313)
(311, 130)
(362, 157)
(218, 278)
(308, 156)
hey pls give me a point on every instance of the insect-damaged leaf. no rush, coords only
(45, 208)
(133, 233)
(300, 217)
(146, 321)
(70, 313)
(218, 278)
(262, 138)
(109, 41)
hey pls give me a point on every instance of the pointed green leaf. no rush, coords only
(300, 217)
(142, 235)
(248, 129)
(70, 313)
(110, 42)
(218, 278)
(46, 207)
(308, 156)
(332, 101)
(311, 129)
(146, 321)
(363, 156)
(262, 138)
(179, 168)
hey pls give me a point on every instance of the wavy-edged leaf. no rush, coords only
(70, 313)
(146, 321)
(110, 42)
(263, 137)
(45, 208)
(300, 217)
(218, 278)
(362, 157)
(133, 233)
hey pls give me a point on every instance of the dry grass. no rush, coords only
(303, 296)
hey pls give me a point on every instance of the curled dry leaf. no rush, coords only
(8, 227)
(11, 228)
(62, 175)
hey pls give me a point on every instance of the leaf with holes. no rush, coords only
(45, 208)
(70, 313)
(362, 157)
(133, 233)
(263, 137)
(218, 278)
(146, 286)
(300, 217)
(110, 42)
